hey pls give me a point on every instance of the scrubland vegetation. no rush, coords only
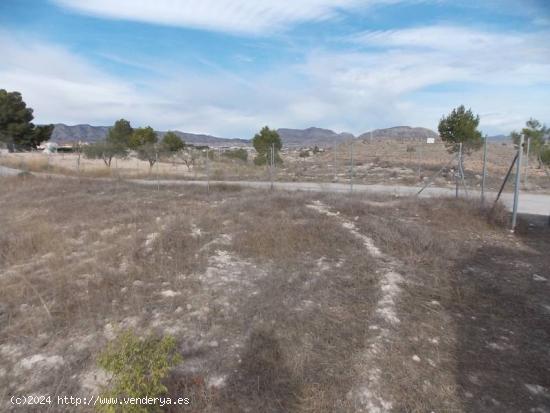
(275, 302)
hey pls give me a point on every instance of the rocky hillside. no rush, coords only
(400, 132)
(88, 133)
(311, 137)
(291, 137)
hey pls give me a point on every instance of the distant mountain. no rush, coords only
(88, 133)
(400, 132)
(85, 133)
(213, 141)
(311, 137)
(499, 138)
(291, 137)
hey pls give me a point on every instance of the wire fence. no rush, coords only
(348, 165)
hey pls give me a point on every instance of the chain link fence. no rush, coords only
(348, 164)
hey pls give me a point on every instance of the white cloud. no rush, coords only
(467, 46)
(390, 82)
(236, 16)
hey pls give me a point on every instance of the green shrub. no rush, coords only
(240, 153)
(545, 155)
(138, 367)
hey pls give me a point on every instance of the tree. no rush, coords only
(120, 134)
(16, 127)
(41, 133)
(149, 152)
(114, 145)
(263, 142)
(189, 156)
(460, 126)
(104, 150)
(172, 143)
(544, 157)
(536, 133)
(142, 136)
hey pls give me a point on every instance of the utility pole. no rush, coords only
(518, 180)
(351, 166)
(484, 173)
(527, 162)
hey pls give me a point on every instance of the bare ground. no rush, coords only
(279, 302)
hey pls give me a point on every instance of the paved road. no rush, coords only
(5, 171)
(533, 204)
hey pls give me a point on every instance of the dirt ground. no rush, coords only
(279, 302)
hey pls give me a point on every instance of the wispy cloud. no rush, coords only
(455, 53)
(235, 16)
(389, 79)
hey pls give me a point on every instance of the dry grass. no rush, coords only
(270, 301)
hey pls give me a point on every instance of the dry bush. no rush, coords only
(22, 241)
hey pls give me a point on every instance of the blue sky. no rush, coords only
(228, 67)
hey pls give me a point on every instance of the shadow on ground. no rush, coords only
(502, 313)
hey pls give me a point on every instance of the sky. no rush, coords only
(229, 67)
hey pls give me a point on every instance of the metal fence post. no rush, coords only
(351, 166)
(527, 162)
(419, 159)
(518, 180)
(484, 172)
(207, 172)
(157, 162)
(459, 159)
(272, 164)
(334, 159)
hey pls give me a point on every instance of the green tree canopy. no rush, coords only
(262, 142)
(536, 133)
(16, 127)
(148, 152)
(172, 143)
(142, 136)
(545, 155)
(239, 153)
(104, 150)
(460, 126)
(120, 134)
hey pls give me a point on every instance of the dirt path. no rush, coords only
(368, 393)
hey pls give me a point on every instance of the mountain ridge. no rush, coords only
(308, 137)
(89, 133)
